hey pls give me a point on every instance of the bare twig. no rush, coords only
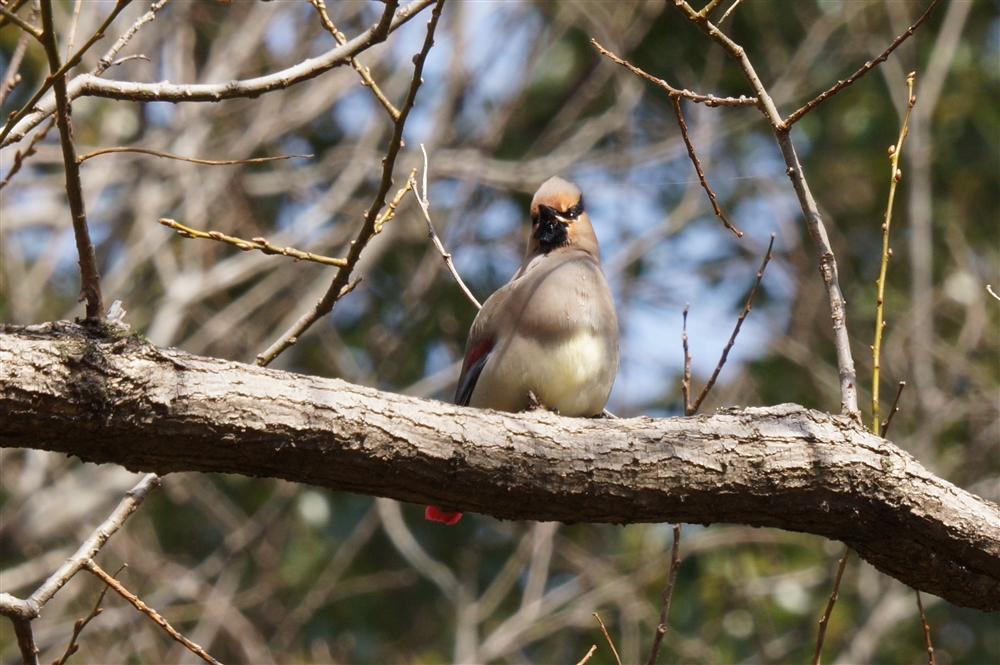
(676, 103)
(21, 612)
(868, 66)
(814, 221)
(108, 58)
(364, 72)
(90, 565)
(668, 592)
(894, 178)
(12, 7)
(32, 30)
(590, 653)
(25, 640)
(373, 220)
(927, 630)
(259, 244)
(90, 289)
(59, 73)
(893, 410)
(91, 85)
(80, 624)
(686, 382)
(707, 100)
(730, 11)
(19, 156)
(608, 638)
(992, 292)
(829, 606)
(193, 160)
(12, 76)
(424, 204)
(736, 331)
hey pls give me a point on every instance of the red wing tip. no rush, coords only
(435, 514)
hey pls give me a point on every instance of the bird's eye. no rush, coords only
(575, 211)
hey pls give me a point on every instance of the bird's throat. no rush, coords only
(551, 233)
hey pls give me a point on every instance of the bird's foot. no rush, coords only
(534, 404)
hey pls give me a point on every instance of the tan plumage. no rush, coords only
(552, 330)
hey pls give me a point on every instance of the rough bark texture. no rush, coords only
(105, 397)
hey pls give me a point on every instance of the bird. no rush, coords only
(549, 337)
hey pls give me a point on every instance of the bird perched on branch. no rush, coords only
(549, 337)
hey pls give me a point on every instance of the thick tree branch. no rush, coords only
(119, 399)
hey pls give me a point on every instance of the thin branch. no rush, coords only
(13, 7)
(91, 566)
(736, 331)
(373, 220)
(992, 292)
(19, 156)
(364, 72)
(21, 612)
(25, 640)
(676, 103)
(668, 592)
(893, 410)
(868, 66)
(12, 76)
(193, 160)
(59, 73)
(709, 8)
(90, 277)
(608, 638)
(424, 204)
(730, 11)
(686, 382)
(108, 58)
(894, 178)
(590, 653)
(810, 210)
(32, 30)
(927, 631)
(259, 244)
(707, 100)
(829, 607)
(91, 85)
(80, 624)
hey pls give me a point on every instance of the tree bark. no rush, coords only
(107, 396)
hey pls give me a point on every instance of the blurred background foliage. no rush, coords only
(265, 571)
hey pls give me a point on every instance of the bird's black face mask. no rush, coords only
(550, 230)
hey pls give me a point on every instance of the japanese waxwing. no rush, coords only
(552, 331)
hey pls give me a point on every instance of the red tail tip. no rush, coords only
(435, 514)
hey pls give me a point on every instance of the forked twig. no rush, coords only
(676, 103)
(893, 410)
(193, 160)
(895, 177)
(364, 72)
(19, 156)
(424, 203)
(829, 607)
(707, 100)
(668, 592)
(373, 218)
(259, 244)
(868, 66)
(92, 566)
(736, 331)
(80, 624)
(608, 638)
(927, 630)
